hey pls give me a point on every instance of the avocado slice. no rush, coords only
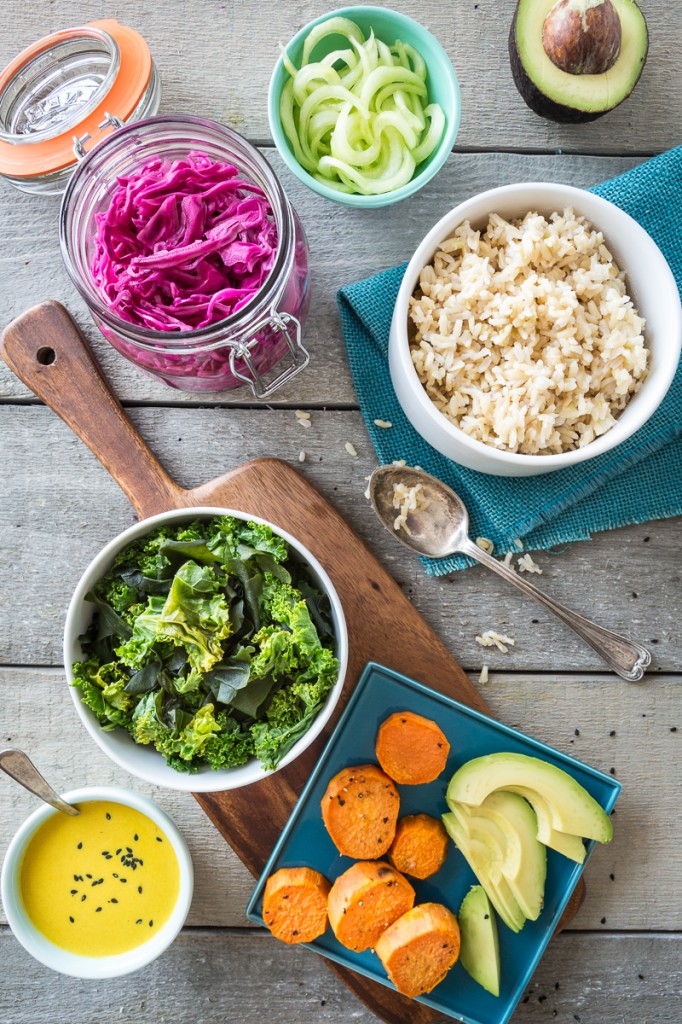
(570, 846)
(572, 808)
(507, 825)
(480, 947)
(477, 856)
(571, 97)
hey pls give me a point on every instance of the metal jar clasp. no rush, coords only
(110, 121)
(287, 325)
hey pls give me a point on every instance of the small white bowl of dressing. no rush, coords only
(101, 893)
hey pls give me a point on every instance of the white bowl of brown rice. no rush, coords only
(537, 326)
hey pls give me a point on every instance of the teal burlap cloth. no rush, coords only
(638, 481)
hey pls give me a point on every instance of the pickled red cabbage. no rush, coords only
(183, 244)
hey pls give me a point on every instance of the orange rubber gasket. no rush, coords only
(33, 160)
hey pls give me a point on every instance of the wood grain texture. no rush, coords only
(73, 387)
(213, 977)
(216, 61)
(56, 494)
(343, 249)
(646, 755)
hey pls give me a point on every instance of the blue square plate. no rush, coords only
(305, 841)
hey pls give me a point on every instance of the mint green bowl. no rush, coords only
(443, 88)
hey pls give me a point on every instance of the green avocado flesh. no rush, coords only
(480, 949)
(572, 808)
(506, 825)
(547, 89)
(570, 846)
(477, 855)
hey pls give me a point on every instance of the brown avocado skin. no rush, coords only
(541, 104)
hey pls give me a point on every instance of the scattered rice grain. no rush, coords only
(526, 564)
(485, 544)
(483, 678)
(301, 456)
(407, 500)
(350, 448)
(492, 639)
(384, 424)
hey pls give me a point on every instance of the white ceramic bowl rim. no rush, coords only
(74, 964)
(546, 193)
(148, 763)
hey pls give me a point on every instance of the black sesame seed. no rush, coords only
(612, 770)
(115, 875)
(603, 920)
(151, 924)
(136, 837)
(295, 932)
(444, 946)
(541, 999)
(118, 851)
(386, 819)
(97, 910)
(84, 897)
(403, 720)
(123, 879)
(360, 796)
(108, 816)
(80, 846)
(535, 621)
(74, 891)
(139, 921)
(641, 977)
(612, 877)
(486, 917)
(139, 888)
(577, 732)
(647, 539)
(556, 986)
(576, 1017)
(71, 920)
(113, 900)
(88, 876)
(673, 728)
(635, 594)
(612, 733)
(159, 839)
(342, 803)
(525, 999)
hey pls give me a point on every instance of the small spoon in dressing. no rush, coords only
(441, 528)
(19, 767)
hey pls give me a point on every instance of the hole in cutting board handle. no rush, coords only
(46, 356)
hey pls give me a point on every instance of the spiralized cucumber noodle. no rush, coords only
(359, 119)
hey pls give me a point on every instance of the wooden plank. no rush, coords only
(345, 246)
(60, 508)
(218, 62)
(223, 977)
(644, 752)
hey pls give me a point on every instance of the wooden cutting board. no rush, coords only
(45, 349)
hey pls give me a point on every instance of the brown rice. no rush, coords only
(524, 336)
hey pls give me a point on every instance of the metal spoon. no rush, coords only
(441, 528)
(19, 767)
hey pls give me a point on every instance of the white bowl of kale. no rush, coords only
(205, 649)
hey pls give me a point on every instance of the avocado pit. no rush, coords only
(582, 37)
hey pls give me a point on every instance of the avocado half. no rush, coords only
(573, 98)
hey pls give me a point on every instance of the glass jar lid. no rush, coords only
(64, 87)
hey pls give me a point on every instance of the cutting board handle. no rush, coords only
(46, 350)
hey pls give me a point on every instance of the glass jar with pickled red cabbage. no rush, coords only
(193, 263)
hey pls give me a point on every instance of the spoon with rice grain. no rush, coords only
(428, 517)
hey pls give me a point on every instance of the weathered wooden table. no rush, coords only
(621, 960)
